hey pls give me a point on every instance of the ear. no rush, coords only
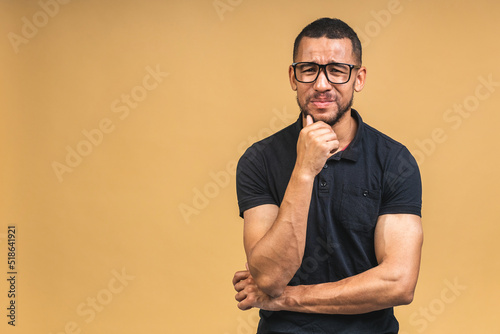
(291, 76)
(360, 79)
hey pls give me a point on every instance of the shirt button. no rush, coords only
(325, 166)
(365, 193)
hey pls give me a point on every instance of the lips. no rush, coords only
(321, 103)
(322, 100)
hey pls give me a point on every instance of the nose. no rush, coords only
(322, 84)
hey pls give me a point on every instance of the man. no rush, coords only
(331, 206)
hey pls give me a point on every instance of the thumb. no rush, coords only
(309, 120)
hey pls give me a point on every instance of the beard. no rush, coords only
(331, 120)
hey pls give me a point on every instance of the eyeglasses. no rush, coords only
(336, 73)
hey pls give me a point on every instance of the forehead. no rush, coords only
(324, 50)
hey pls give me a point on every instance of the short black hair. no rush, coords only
(333, 29)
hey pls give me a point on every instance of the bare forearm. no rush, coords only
(398, 244)
(372, 290)
(278, 255)
(275, 255)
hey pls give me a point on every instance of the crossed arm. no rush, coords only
(398, 242)
(274, 240)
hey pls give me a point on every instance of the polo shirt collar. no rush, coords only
(353, 150)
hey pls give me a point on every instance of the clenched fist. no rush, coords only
(317, 142)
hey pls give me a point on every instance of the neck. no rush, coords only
(345, 129)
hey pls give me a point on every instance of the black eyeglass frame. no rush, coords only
(351, 67)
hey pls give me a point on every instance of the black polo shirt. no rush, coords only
(373, 176)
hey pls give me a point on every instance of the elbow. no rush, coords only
(405, 297)
(271, 279)
(404, 293)
(401, 287)
(270, 286)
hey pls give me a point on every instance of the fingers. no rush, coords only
(243, 281)
(240, 285)
(319, 134)
(309, 120)
(244, 300)
(325, 139)
(329, 140)
(317, 128)
(240, 275)
(240, 295)
(249, 294)
(317, 142)
(323, 136)
(244, 306)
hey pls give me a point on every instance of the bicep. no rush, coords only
(257, 221)
(398, 245)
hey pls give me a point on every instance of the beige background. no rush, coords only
(154, 197)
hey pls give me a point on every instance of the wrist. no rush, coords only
(302, 174)
(288, 300)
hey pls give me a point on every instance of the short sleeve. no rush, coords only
(402, 189)
(252, 185)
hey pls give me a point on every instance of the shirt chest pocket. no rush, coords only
(359, 207)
